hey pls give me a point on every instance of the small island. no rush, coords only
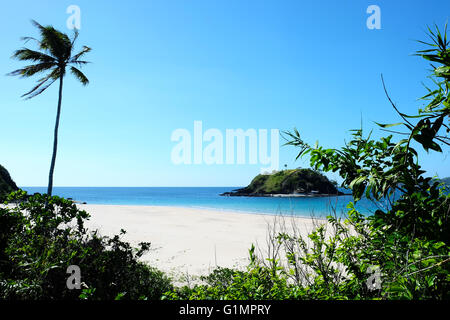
(289, 183)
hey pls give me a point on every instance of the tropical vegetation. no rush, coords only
(402, 251)
(41, 236)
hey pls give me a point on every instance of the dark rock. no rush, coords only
(7, 185)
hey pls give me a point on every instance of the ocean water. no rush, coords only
(206, 197)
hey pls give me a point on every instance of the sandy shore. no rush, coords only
(188, 240)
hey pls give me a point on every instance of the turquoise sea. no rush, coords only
(206, 197)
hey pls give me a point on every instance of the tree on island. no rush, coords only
(288, 182)
(54, 57)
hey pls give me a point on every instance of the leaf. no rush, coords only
(389, 125)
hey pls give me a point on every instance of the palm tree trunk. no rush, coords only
(55, 139)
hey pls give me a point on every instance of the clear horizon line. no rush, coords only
(132, 186)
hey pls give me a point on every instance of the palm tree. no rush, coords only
(53, 57)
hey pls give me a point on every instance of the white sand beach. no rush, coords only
(189, 240)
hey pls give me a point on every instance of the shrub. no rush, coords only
(41, 237)
(258, 282)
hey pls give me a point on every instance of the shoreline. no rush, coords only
(282, 195)
(188, 240)
(212, 209)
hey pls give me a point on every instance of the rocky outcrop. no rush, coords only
(7, 185)
(296, 182)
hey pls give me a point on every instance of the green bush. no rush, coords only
(40, 237)
(256, 283)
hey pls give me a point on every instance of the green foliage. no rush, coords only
(256, 283)
(335, 265)
(55, 54)
(408, 240)
(290, 181)
(432, 128)
(42, 236)
(406, 244)
(402, 251)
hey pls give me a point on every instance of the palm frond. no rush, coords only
(26, 39)
(75, 37)
(83, 51)
(31, 70)
(79, 62)
(25, 54)
(79, 75)
(38, 89)
(56, 42)
(54, 56)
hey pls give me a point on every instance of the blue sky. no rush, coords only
(161, 65)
